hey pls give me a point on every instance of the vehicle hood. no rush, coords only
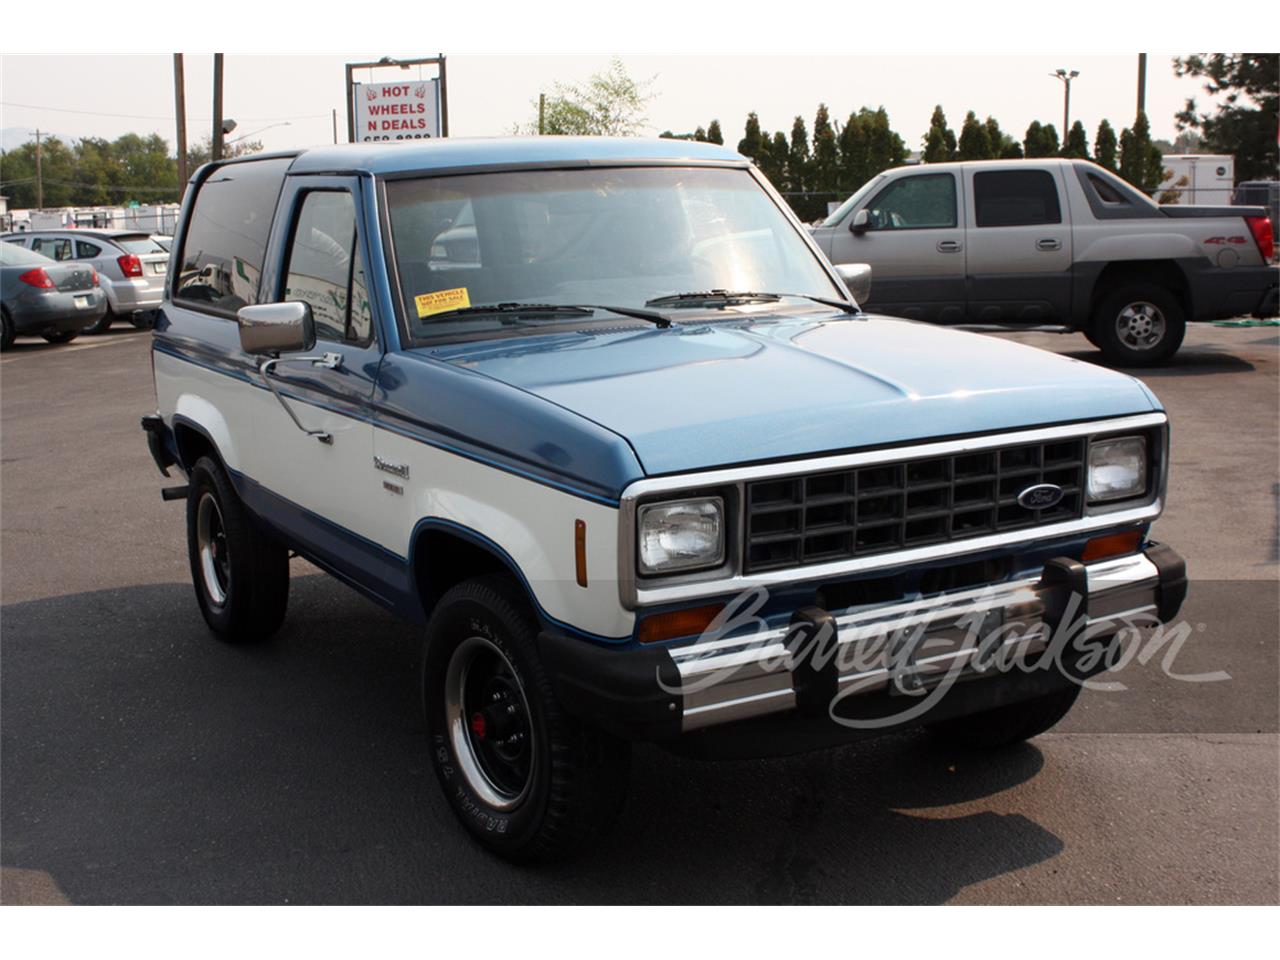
(701, 395)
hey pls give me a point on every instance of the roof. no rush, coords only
(452, 153)
(1001, 164)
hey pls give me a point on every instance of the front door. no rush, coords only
(914, 242)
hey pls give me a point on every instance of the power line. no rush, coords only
(142, 116)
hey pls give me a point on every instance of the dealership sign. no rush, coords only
(396, 111)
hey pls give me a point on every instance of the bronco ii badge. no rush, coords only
(1040, 497)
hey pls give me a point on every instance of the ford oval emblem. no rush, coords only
(1041, 496)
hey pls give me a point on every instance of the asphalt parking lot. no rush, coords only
(143, 762)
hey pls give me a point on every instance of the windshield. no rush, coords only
(842, 211)
(619, 236)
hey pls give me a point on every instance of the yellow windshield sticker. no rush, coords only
(429, 304)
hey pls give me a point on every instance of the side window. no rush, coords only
(1015, 198)
(55, 248)
(915, 202)
(325, 269)
(226, 238)
(86, 250)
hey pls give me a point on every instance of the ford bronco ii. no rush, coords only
(600, 416)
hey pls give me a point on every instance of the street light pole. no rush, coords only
(1066, 79)
(216, 151)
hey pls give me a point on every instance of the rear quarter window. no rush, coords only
(226, 239)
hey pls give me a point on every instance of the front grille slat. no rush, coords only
(837, 515)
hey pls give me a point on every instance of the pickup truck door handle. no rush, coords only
(328, 361)
(1049, 244)
(949, 246)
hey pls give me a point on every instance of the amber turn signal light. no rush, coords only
(677, 623)
(1112, 545)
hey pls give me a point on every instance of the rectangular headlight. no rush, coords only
(681, 535)
(1117, 469)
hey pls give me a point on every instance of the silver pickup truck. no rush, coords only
(1052, 241)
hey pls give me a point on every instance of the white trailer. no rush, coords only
(1198, 178)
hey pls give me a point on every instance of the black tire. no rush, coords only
(242, 584)
(65, 337)
(531, 783)
(1010, 724)
(6, 330)
(102, 324)
(1138, 325)
(143, 320)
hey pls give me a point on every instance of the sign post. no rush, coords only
(398, 110)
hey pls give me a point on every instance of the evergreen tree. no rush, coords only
(713, 133)
(1041, 141)
(773, 160)
(1140, 159)
(824, 170)
(885, 148)
(853, 147)
(975, 144)
(798, 157)
(1104, 146)
(700, 135)
(940, 141)
(753, 141)
(1077, 144)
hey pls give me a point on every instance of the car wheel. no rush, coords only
(1007, 725)
(102, 324)
(1139, 325)
(143, 320)
(529, 781)
(65, 336)
(6, 330)
(241, 575)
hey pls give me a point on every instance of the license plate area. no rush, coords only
(83, 302)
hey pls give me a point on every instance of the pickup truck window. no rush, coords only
(226, 238)
(918, 202)
(1015, 198)
(621, 235)
(325, 269)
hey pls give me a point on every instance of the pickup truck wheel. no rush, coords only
(241, 576)
(1009, 724)
(1139, 325)
(529, 781)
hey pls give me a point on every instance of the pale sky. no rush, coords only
(488, 94)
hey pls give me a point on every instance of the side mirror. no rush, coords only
(857, 280)
(269, 328)
(861, 223)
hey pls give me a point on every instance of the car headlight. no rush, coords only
(1117, 469)
(681, 535)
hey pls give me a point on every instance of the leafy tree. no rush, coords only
(1140, 159)
(940, 141)
(753, 141)
(57, 168)
(1243, 123)
(609, 104)
(1077, 144)
(1104, 146)
(975, 143)
(713, 133)
(825, 169)
(798, 157)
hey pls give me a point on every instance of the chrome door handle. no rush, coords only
(948, 246)
(1049, 244)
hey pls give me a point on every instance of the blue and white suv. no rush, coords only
(601, 417)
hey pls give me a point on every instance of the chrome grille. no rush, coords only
(831, 516)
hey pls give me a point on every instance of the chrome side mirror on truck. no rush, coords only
(271, 328)
(857, 280)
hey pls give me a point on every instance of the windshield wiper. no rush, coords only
(728, 298)
(511, 312)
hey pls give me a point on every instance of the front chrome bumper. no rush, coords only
(740, 677)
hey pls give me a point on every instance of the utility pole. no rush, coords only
(542, 112)
(217, 107)
(39, 176)
(180, 107)
(1142, 83)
